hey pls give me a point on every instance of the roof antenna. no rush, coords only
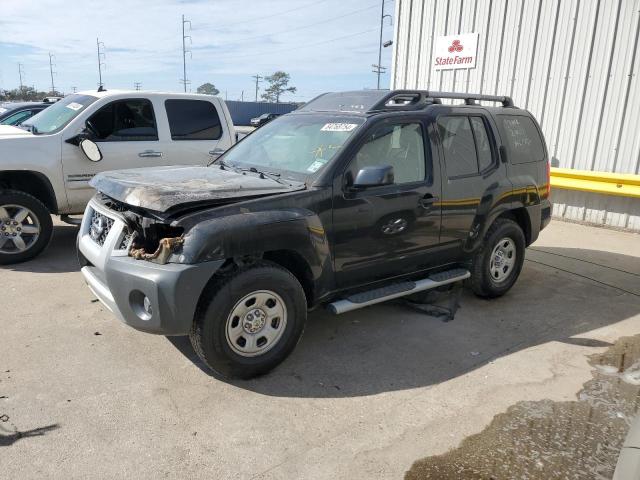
(101, 88)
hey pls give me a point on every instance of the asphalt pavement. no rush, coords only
(364, 395)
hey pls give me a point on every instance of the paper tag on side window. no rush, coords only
(75, 106)
(338, 127)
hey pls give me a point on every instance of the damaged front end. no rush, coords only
(146, 237)
(166, 247)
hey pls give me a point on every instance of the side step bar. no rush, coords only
(396, 290)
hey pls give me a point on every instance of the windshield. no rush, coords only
(298, 143)
(57, 116)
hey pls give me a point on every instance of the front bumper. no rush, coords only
(147, 296)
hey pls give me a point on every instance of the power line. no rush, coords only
(185, 81)
(304, 46)
(302, 27)
(274, 14)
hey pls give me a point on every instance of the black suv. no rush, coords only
(353, 199)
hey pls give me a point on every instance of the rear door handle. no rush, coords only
(427, 201)
(149, 153)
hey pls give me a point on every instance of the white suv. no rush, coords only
(45, 167)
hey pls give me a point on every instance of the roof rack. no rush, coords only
(419, 99)
(368, 101)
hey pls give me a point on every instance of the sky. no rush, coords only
(325, 45)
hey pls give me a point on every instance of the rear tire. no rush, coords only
(25, 227)
(249, 321)
(497, 264)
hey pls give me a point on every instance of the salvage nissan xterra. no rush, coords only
(353, 199)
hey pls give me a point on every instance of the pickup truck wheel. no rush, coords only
(249, 321)
(497, 264)
(25, 227)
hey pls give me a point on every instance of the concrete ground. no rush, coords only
(364, 395)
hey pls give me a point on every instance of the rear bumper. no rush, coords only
(545, 214)
(539, 217)
(149, 297)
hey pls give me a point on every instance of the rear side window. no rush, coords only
(458, 145)
(466, 144)
(522, 139)
(193, 120)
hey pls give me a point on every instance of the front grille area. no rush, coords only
(126, 239)
(99, 227)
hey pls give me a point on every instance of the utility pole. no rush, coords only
(137, 85)
(258, 78)
(21, 73)
(53, 87)
(101, 64)
(184, 79)
(378, 69)
(75, 89)
(242, 96)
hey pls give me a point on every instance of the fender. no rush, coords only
(523, 203)
(251, 233)
(31, 182)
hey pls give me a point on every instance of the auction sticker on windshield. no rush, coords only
(339, 127)
(315, 166)
(75, 106)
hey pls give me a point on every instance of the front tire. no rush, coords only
(25, 227)
(497, 264)
(249, 321)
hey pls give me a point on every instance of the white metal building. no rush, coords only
(572, 63)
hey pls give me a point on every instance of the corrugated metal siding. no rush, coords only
(573, 63)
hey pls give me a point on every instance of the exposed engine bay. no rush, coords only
(148, 238)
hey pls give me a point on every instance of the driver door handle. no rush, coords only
(216, 152)
(149, 153)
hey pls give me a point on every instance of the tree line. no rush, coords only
(26, 94)
(278, 86)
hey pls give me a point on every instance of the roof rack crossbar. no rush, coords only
(419, 99)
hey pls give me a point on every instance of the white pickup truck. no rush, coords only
(45, 167)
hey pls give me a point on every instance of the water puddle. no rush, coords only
(553, 440)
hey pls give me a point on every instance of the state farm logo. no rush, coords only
(453, 58)
(455, 51)
(456, 46)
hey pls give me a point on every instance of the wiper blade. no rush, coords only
(222, 163)
(271, 175)
(263, 174)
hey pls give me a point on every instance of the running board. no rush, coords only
(396, 290)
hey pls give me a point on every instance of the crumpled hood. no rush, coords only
(161, 188)
(8, 131)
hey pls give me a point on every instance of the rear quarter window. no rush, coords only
(193, 120)
(521, 138)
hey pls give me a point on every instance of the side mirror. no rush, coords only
(374, 176)
(90, 150)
